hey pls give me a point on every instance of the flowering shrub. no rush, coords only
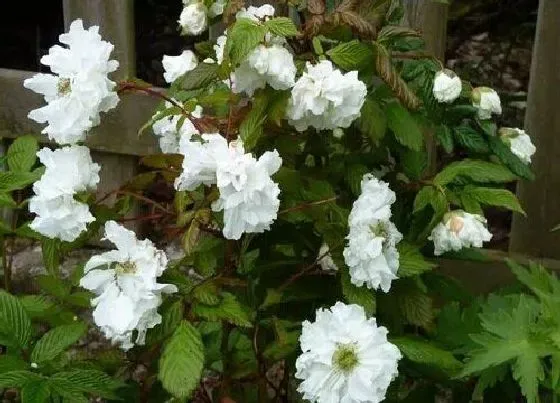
(314, 172)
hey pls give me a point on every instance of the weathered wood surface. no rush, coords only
(541, 198)
(430, 18)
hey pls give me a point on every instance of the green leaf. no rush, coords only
(18, 379)
(243, 36)
(6, 200)
(21, 154)
(353, 55)
(411, 261)
(14, 321)
(11, 180)
(423, 352)
(478, 171)
(281, 26)
(251, 128)
(181, 363)
(86, 381)
(54, 286)
(354, 175)
(512, 161)
(528, 371)
(11, 363)
(229, 309)
(404, 126)
(494, 197)
(471, 139)
(373, 121)
(56, 341)
(414, 163)
(200, 76)
(36, 392)
(424, 198)
(50, 247)
(248, 261)
(357, 295)
(445, 138)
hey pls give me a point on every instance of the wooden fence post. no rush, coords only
(541, 198)
(430, 18)
(116, 25)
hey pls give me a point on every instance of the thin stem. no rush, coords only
(142, 218)
(144, 199)
(307, 205)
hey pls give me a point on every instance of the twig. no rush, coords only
(144, 199)
(142, 218)
(307, 205)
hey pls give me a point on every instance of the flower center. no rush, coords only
(64, 86)
(125, 268)
(380, 230)
(345, 357)
(456, 224)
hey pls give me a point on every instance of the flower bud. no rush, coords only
(486, 101)
(519, 143)
(447, 86)
(193, 19)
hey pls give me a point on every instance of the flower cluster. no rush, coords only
(194, 17)
(459, 230)
(346, 357)
(79, 89)
(248, 196)
(371, 253)
(170, 129)
(68, 170)
(126, 288)
(447, 86)
(325, 98)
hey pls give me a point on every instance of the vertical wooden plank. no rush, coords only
(115, 19)
(430, 18)
(541, 198)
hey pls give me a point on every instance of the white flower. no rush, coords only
(346, 357)
(34, 365)
(219, 48)
(325, 98)
(61, 217)
(176, 66)
(125, 283)
(272, 65)
(168, 132)
(79, 89)
(447, 86)
(68, 170)
(519, 143)
(371, 253)
(217, 8)
(261, 13)
(486, 101)
(193, 19)
(459, 230)
(248, 196)
(325, 259)
(201, 160)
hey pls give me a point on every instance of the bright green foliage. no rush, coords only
(21, 154)
(15, 326)
(55, 341)
(180, 366)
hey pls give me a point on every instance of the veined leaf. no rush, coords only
(471, 139)
(56, 340)
(200, 76)
(243, 36)
(21, 155)
(403, 126)
(36, 392)
(18, 379)
(50, 249)
(281, 26)
(353, 55)
(411, 261)
(423, 352)
(478, 171)
(357, 295)
(229, 309)
(182, 361)
(373, 121)
(14, 321)
(12, 363)
(86, 381)
(494, 197)
(445, 138)
(512, 161)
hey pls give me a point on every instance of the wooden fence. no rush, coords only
(116, 146)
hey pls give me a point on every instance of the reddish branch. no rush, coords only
(307, 205)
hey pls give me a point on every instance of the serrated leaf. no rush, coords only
(528, 371)
(200, 76)
(251, 129)
(373, 121)
(181, 363)
(10, 180)
(14, 321)
(471, 139)
(353, 55)
(281, 26)
(357, 295)
(18, 379)
(229, 309)
(424, 197)
(21, 155)
(478, 171)
(404, 126)
(423, 352)
(50, 248)
(243, 36)
(512, 161)
(354, 175)
(36, 392)
(6, 200)
(56, 341)
(54, 286)
(86, 381)
(494, 197)
(207, 293)
(411, 261)
(445, 138)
